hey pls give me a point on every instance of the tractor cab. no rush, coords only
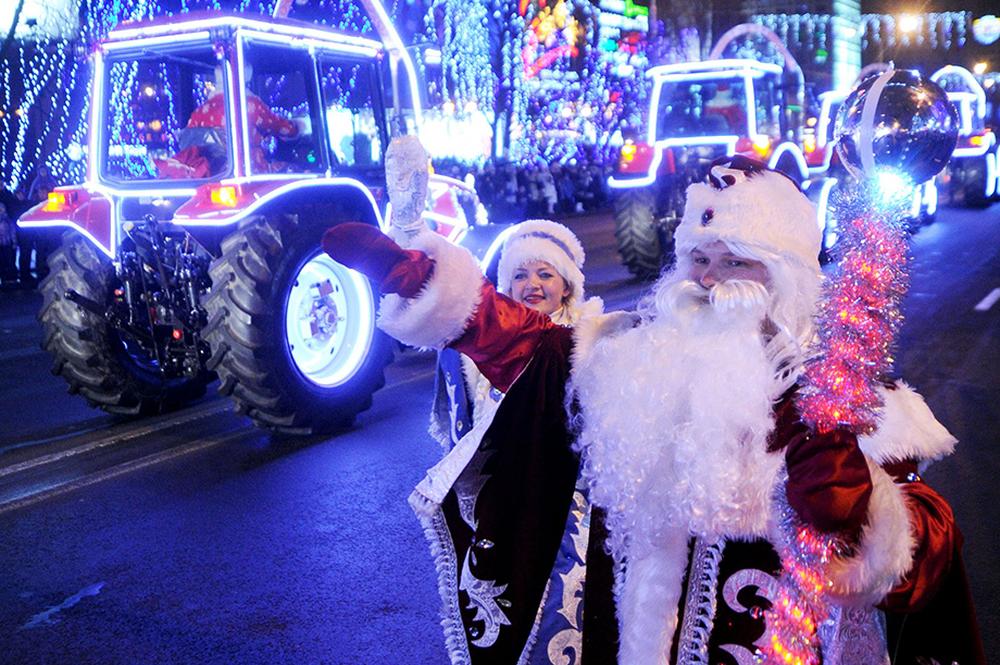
(969, 99)
(203, 119)
(972, 176)
(705, 100)
(700, 111)
(176, 113)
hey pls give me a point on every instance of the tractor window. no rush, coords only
(400, 113)
(151, 126)
(354, 121)
(767, 95)
(281, 110)
(714, 107)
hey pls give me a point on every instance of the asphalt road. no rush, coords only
(195, 538)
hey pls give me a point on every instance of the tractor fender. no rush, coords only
(83, 210)
(327, 198)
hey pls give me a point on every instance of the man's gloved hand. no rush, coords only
(829, 484)
(366, 249)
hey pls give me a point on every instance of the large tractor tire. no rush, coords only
(292, 332)
(99, 362)
(636, 232)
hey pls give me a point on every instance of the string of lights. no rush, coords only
(947, 29)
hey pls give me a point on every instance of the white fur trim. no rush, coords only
(533, 241)
(650, 596)
(435, 529)
(437, 431)
(591, 329)
(470, 374)
(766, 211)
(575, 311)
(441, 311)
(907, 429)
(885, 551)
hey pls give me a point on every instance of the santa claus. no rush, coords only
(694, 455)
(691, 441)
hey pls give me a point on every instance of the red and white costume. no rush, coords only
(691, 587)
(261, 122)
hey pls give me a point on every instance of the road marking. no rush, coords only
(209, 409)
(136, 430)
(988, 301)
(196, 413)
(45, 618)
(126, 467)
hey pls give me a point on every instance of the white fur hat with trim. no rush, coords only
(747, 204)
(543, 240)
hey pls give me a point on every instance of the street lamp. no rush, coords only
(980, 68)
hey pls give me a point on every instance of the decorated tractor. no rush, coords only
(972, 177)
(220, 149)
(699, 111)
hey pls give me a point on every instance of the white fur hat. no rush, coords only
(543, 240)
(748, 204)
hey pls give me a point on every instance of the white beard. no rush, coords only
(676, 415)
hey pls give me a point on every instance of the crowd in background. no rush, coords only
(512, 193)
(24, 252)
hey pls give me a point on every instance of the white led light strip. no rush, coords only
(725, 64)
(146, 42)
(242, 22)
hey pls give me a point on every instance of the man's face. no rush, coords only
(713, 263)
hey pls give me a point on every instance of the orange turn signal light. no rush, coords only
(225, 195)
(761, 145)
(56, 202)
(628, 151)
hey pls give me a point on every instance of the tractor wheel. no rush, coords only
(292, 332)
(973, 182)
(98, 361)
(636, 232)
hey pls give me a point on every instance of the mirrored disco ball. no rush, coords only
(896, 121)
